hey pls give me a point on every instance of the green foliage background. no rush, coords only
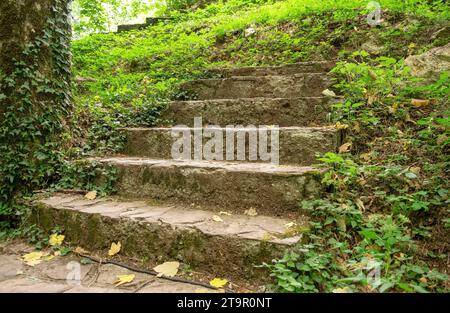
(386, 200)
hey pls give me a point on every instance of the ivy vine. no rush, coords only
(35, 106)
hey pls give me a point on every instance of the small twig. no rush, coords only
(153, 273)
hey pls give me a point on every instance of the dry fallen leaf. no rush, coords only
(341, 224)
(168, 269)
(115, 248)
(418, 103)
(48, 257)
(33, 258)
(342, 290)
(218, 282)
(291, 225)
(217, 219)
(345, 147)
(225, 213)
(373, 75)
(251, 212)
(328, 93)
(415, 169)
(80, 250)
(56, 240)
(124, 279)
(365, 156)
(91, 195)
(206, 290)
(360, 205)
(339, 125)
(267, 237)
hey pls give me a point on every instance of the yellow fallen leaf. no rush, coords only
(217, 218)
(418, 103)
(48, 257)
(115, 248)
(91, 195)
(218, 282)
(415, 169)
(365, 156)
(124, 279)
(342, 290)
(19, 272)
(168, 269)
(251, 212)
(345, 147)
(291, 225)
(328, 93)
(423, 280)
(225, 213)
(80, 250)
(360, 205)
(341, 224)
(206, 290)
(33, 258)
(33, 263)
(267, 237)
(339, 125)
(393, 109)
(56, 240)
(373, 75)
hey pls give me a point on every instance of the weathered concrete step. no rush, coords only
(229, 248)
(297, 145)
(251, 111)
(289, 69)
(291, 86)
(270, 189)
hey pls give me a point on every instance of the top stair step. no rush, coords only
(289, 69)
(290, 86)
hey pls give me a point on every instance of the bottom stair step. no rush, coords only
(229, 248)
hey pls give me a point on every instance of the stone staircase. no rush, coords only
(203, 213)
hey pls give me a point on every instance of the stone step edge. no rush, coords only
(255, 99)
(330, 63)
(252, 77)
(231, 166)
(330, 128)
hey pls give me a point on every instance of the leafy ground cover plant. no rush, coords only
(384, 224)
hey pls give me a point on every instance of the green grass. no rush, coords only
(136, 71)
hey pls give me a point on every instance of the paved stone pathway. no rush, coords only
(50, 276)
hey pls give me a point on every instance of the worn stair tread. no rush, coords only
(287, 69)
(243, 99)
(249, 167)
(274, 190)
(296, 145)
(261, 228)
(272, 86)
(307, 129)
(299, 111)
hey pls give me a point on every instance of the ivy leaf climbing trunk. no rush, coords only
(35, 101)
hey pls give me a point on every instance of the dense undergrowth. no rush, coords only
(383, 224)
